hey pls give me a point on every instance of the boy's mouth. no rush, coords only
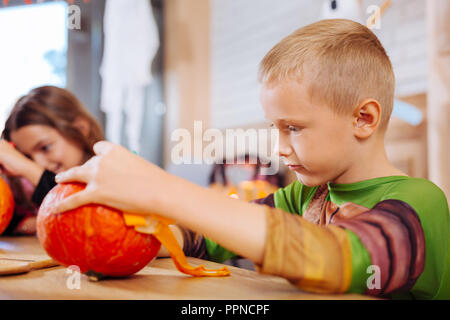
(295, 166)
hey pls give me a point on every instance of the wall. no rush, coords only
(403, 33)
(438, 13)
(243, 31)
(84, 54)
(241, 34)
(186, 67)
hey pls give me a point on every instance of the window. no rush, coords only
(33, 42)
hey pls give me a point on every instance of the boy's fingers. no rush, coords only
(102, 147)
(74, 201)
(74, 174)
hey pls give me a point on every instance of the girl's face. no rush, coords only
(47, 147)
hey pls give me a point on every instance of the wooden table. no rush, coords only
(159, 280)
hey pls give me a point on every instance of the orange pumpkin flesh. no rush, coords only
(6, 205)
(92, 237)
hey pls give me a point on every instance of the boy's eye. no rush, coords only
(293, 129)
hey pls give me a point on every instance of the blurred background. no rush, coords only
(146, 68)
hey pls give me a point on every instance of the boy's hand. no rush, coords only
(114, 177)
(120, 179)
(14, 163)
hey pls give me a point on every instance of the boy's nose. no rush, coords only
(283, 149)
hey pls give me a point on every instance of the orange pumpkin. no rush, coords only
(92, 237)
(6, 205)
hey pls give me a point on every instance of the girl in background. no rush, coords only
(48, 131)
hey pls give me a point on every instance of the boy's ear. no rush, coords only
(82, 125)
(366, 118)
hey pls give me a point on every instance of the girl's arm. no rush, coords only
(16, 164)
(121, 179)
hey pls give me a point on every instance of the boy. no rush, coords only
(357, 223)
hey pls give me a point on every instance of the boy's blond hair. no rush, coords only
(341, 61)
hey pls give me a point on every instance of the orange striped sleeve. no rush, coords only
(314, 258)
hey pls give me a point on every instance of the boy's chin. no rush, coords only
(309, 181)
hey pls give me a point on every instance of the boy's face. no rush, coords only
(314, 141)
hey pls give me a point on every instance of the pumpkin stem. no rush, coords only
(95, 276)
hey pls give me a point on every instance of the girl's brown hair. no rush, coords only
(57, 108)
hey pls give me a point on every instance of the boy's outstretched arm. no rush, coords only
(118, 178)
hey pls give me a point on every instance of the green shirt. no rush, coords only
(422, 195)
(426, 198)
